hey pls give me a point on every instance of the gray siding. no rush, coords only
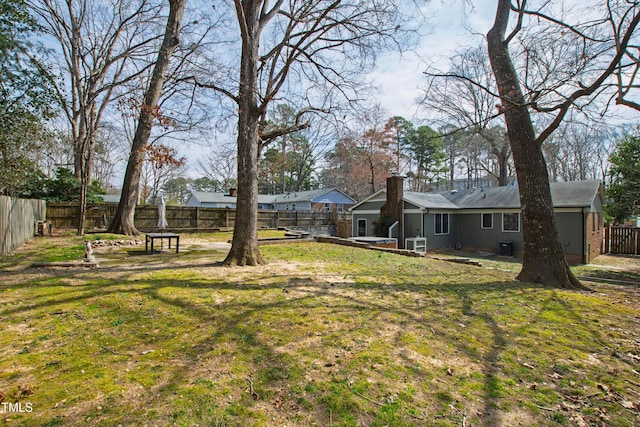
(470, 232)
(442, 240)
(370, 206)
(596, 206)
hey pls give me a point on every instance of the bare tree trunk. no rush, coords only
(85, 176)
(123, 221)
(544, 260)
(79, 166)
(372, 169)
(502, 156)
(244, 246)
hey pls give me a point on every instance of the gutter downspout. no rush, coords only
(585, 246)
(424, 217)
(403, 221)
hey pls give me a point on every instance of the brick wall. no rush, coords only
(594, 231)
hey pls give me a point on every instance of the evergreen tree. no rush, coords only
(624, 190)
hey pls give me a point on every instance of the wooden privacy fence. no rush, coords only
(183, 218)
(621, 240)
(17, 221)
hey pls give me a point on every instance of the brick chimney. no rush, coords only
(393, 207)
(233, 192)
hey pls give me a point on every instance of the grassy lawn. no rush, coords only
(323, 335)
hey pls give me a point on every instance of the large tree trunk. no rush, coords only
(244, 246)
(544, 260)
(83, 160)
(123, 221)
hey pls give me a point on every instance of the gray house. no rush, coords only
(325, 200)
(486, 219)
(205, 199)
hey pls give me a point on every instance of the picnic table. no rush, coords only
(151, 237)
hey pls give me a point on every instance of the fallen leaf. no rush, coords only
(633, 356)
(628, 404)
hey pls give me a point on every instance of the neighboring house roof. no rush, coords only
(309, 196)
(207, 197)
(296, 197)
(110, 198)
(574, 194)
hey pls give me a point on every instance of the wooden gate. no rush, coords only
(621, 240)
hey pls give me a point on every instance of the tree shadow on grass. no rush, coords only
(612, 277)
(251, 309)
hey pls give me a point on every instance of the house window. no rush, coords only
(327, 207)
(600, 219)
(293, 207)
(340, 207)
(362, 227)
(442, 223)
(511, 222)
(487, 220)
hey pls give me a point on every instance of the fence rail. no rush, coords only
(181, 218)
(621, 240)
(17, 221)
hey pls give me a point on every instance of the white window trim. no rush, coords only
(511, 213)
(482, 221)
(435, 233)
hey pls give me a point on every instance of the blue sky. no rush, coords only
(450, 24)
